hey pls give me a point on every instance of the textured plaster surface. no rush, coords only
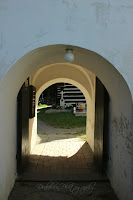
(104, 27)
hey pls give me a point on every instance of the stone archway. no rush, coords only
(88, 100)
(120, 164)
(84, 80)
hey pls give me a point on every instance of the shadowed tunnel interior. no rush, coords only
(78, 167)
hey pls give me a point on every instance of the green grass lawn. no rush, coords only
(42, 105)
(62, 120)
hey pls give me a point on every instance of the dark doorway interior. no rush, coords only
(25, 110)
(101, 137)
(23, 127)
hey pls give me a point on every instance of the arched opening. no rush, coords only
(72, 75)
(40, 160)
(63, 143)
(120, 160)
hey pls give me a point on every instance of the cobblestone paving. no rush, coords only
(61, 157)
(61, 167)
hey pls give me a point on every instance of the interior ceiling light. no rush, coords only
(69, 57)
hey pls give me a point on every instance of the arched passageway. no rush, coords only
(120, 157)
(83, 166)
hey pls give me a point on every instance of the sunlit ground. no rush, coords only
(58, 145)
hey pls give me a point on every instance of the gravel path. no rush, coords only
(42, 127)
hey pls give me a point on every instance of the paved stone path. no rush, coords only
(62, 191)
(61, 157)
(57, 158)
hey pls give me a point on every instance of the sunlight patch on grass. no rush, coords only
(42, 105)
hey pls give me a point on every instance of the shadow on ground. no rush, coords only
(62, 191)
(71, 165)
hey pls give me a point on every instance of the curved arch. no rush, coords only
(78, 68)
(65, 80)
(89, 101)
(51, 54)
(121, 100)
(60, 70)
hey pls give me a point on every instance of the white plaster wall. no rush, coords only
(104, 27)
(8, 126)
(120, 163)
(33, 131)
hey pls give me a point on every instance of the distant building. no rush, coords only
(63, 94)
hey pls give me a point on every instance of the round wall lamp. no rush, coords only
(69, 57)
